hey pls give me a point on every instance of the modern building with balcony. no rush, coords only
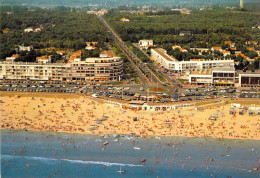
(88, 70)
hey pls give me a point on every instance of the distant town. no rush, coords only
(144, 69)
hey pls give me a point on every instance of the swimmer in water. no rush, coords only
(28, 166)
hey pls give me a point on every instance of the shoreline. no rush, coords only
(156, 138)
(77, 114)
(111, 135)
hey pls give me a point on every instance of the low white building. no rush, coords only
(12, 58)
(145, 43)
(249, 79)
(201, 77)
(125, 20)
(27, 30)
(25, 48)
(37, 29)
(216, 49)
(43, 59)
(226, 53)
(223, 76)
(170, 63)
(219, 76)
(90, 48)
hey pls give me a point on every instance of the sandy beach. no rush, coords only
(81, 114)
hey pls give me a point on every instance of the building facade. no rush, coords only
(92, 69)
(144, 43)
(251, 79)
(170, 63)
(222, 76)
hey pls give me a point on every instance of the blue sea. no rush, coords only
(49, 154)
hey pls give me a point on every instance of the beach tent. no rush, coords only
(241, 111)
(232, 111)
(251, 112)
(213, 118)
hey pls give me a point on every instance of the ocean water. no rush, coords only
(49, 154)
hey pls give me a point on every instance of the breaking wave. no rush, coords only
(5, 157)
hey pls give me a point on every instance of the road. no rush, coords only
(147, 77)
(165, 75)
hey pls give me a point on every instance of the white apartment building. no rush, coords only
(91, 69)
(170, 63)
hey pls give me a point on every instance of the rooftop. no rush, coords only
(248, 72)
(159, 51)
(107, 53)
(202, 72)
(224, 69)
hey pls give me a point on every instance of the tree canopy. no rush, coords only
(60, 29)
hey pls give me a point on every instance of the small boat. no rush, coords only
(116, 140)
(159, 138)
(105, 143)
(137, 148)
(121, 171)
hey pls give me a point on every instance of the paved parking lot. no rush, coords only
(133, 92)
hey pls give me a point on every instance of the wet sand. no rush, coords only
(74, 113)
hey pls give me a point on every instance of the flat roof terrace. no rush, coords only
(224, 69)
(202, 72)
